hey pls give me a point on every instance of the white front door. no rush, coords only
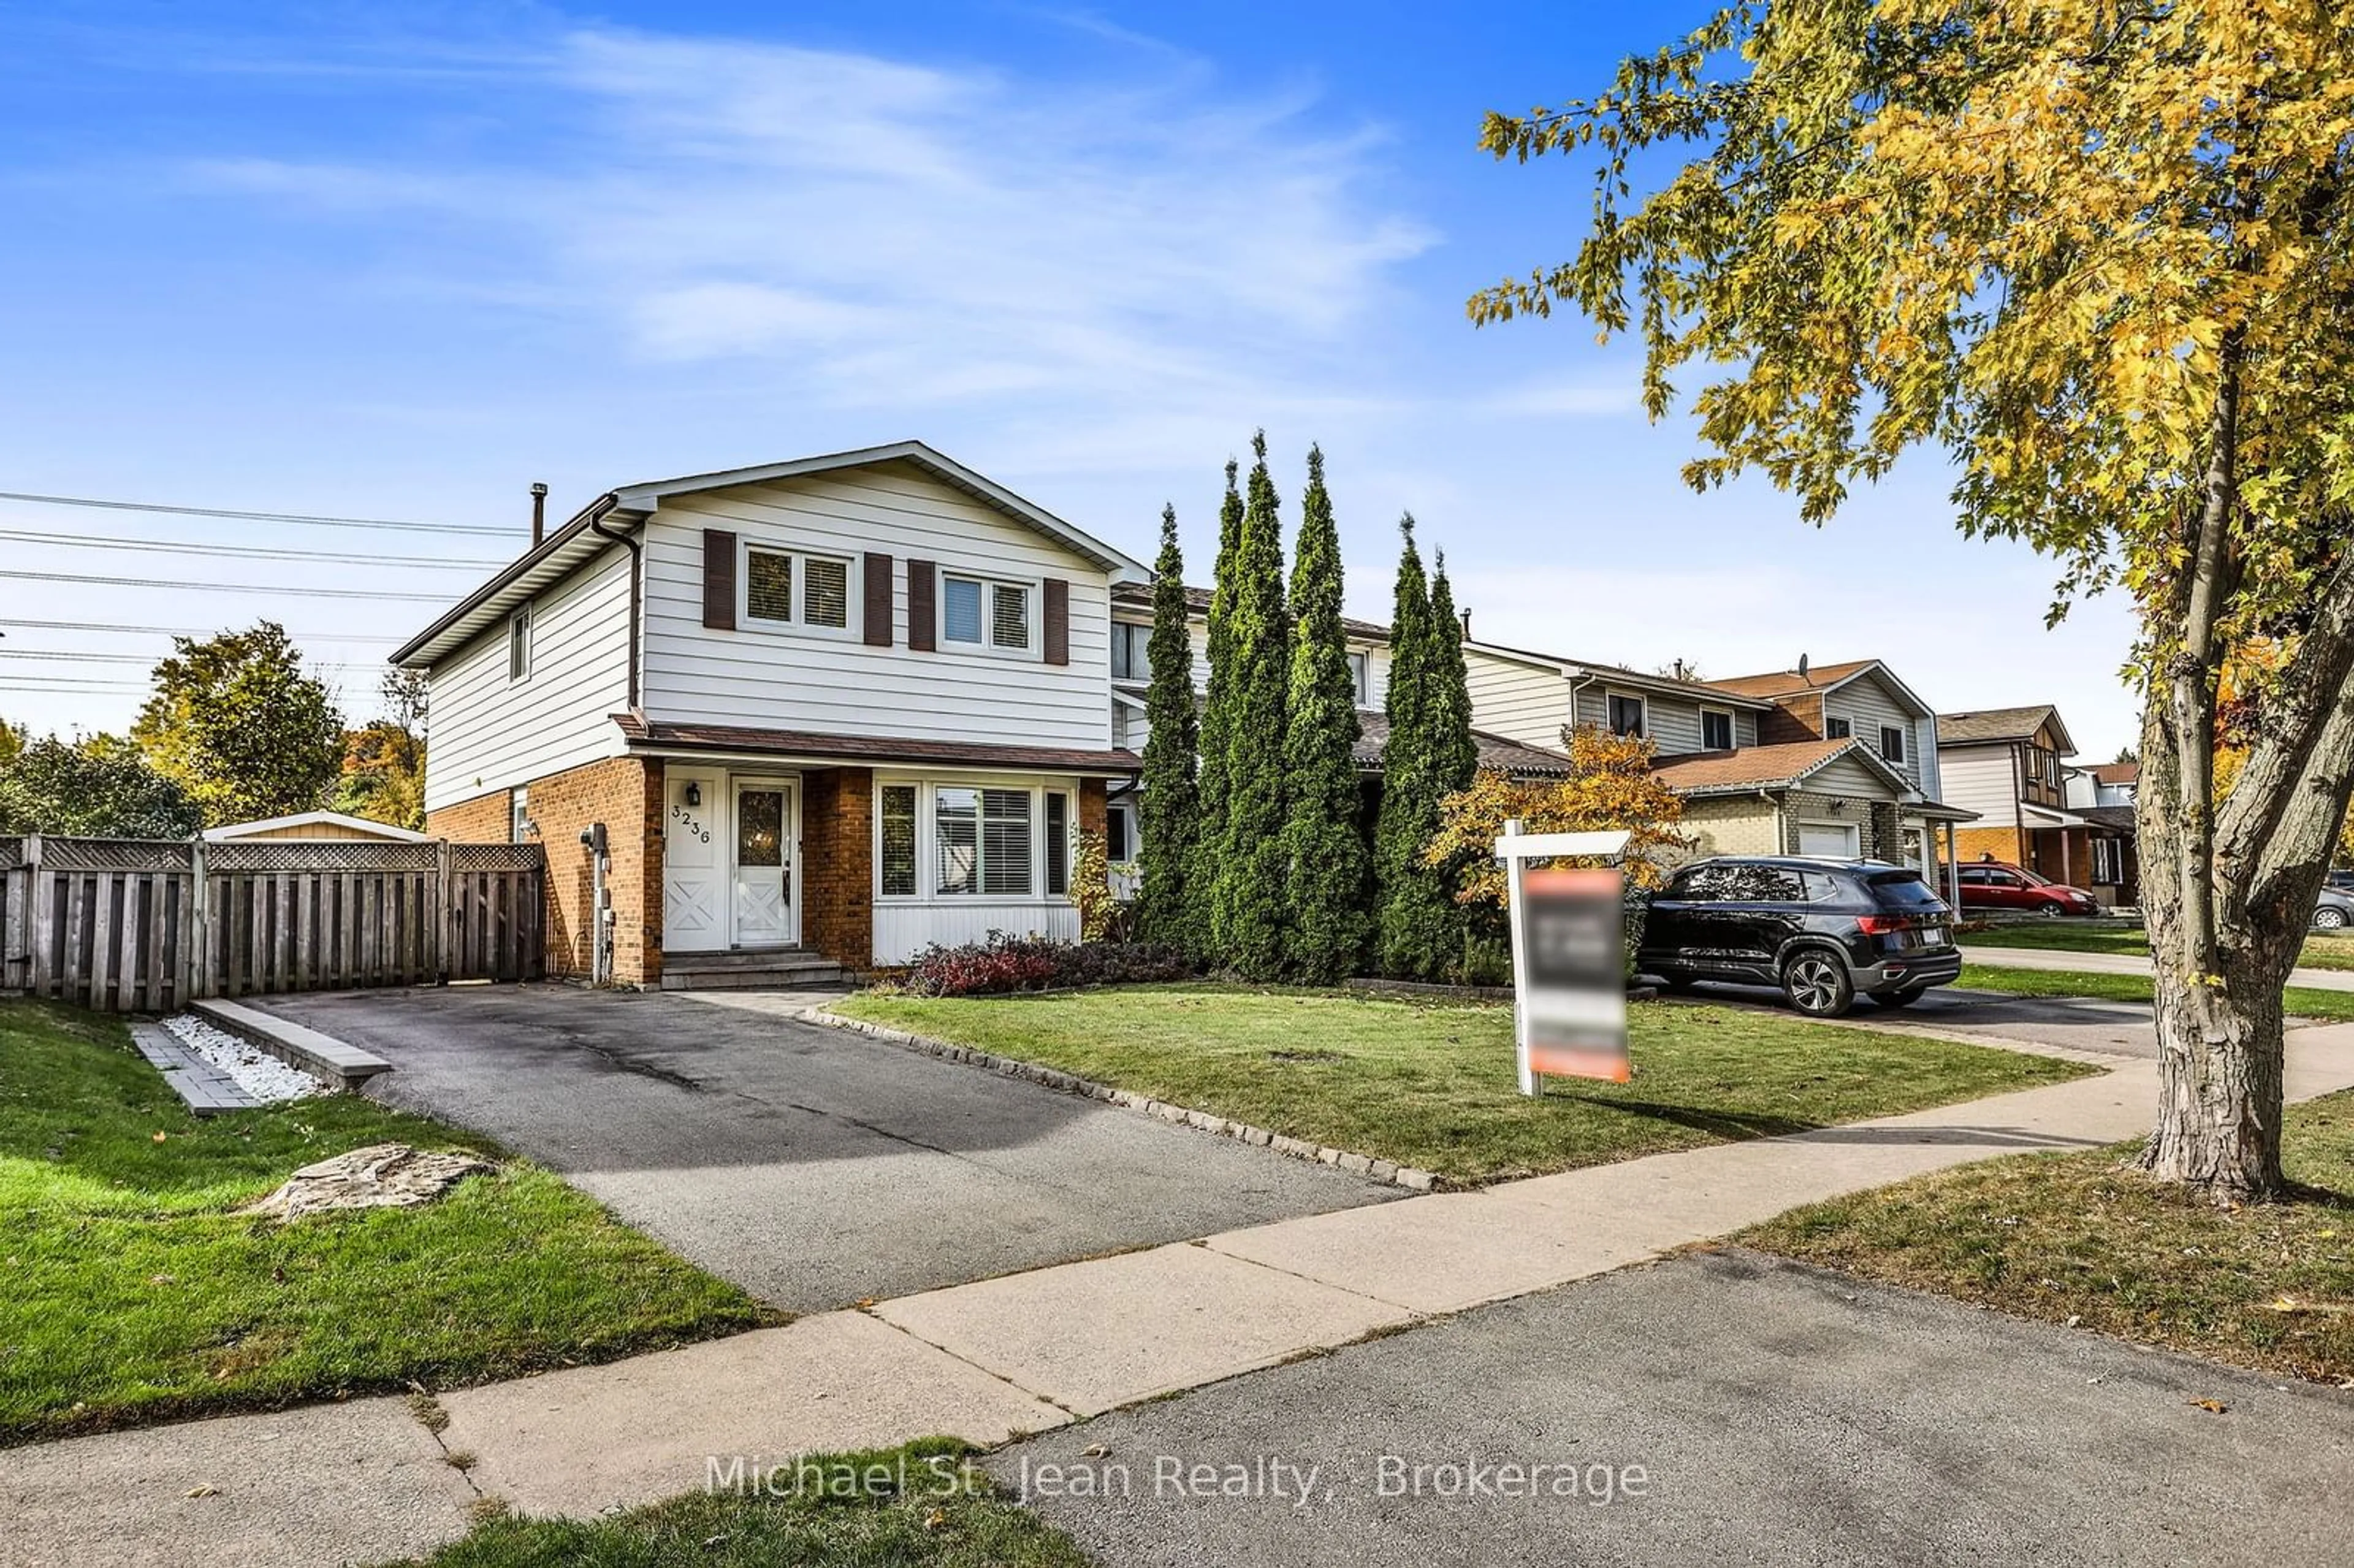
(763, 911)
(1837, 840)
(694, 863)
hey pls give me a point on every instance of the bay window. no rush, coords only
(980, 840)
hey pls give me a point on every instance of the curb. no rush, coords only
(1054, 1078)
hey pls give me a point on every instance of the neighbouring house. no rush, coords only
(310, 827)
(1369, 663)
(832, 709)
(2114, 783)
(1839, 761)
(2009, 765)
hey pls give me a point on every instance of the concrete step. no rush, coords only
(791, 968)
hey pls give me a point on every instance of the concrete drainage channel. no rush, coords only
(210, 1089)
(1363, 1165)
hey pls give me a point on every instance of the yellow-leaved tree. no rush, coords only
(1609, 785)
(2097, 255)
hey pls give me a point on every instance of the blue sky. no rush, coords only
(398, 261)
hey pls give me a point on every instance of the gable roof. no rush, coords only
(1778, 767)
(1787, 683)
(1775, 684)
(1495, 751)
(316, 819)
(589, 534)
(1985, 725)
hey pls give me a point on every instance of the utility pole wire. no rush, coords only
(261, 517)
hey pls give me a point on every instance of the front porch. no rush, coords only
(799, 872)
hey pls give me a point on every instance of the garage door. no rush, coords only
(1838, 840)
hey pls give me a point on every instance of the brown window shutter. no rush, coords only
(879, 600)
(719, 579)
(923, 613)
(1058, 621)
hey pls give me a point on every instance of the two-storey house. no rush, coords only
(845, 705)
(1840, 761)
(2010, 766)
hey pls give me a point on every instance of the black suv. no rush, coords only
(1820, 929)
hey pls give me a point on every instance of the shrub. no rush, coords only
(1003, 965)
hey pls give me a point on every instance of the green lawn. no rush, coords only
(2305, 1002)
(129, 1291)
(1431, 1085)
(2084, 1238)
(929, 1510)
(2321, 952)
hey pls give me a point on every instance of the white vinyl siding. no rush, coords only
(491, 733)
(1869, 706)
(1519, 701)
(840, 685)
(1978, 779)
(1850, 776)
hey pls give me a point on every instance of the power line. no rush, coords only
(249, 552)
(67, 682)
(226, 588)
(179, 630)
(259, 516)
(150, 660)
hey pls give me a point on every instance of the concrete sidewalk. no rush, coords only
(2121, 964)
(986, 1360)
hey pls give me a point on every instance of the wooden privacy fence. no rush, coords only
(145, 925)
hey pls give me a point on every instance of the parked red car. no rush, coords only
(1992, 884)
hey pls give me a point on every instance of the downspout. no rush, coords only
(637, 578)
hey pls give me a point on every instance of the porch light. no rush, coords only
(693, 793)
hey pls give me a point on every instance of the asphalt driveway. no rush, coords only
(813, 1167)
(1718, 1408)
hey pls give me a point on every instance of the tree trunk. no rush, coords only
(2217, 996)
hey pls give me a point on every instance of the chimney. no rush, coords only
(538, 512)
(1466, 624)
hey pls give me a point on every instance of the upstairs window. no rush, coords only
(783, 587)
(1715, 730)
(1892, 743)
(1837, 728)
(1130, 657)
(519, 644)
(1361, 676)
(1627, 715)
(978, 614)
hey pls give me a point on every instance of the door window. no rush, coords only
(760, 828)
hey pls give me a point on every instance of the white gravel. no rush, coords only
(257, 1072)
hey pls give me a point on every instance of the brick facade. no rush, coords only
(1881, 832)
(1978, 844)
(838, 864)
(1094, 808)
(625, 794)
(480, 821)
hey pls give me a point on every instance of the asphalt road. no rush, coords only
(1768, 1413)
(814, 1167)
(2083, 1023)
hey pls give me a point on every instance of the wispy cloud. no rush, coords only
(901, 235)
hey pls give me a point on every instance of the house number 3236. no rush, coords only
(679, 814)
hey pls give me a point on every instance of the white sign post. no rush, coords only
(1541, 1007)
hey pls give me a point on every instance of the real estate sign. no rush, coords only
(1569, 984)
